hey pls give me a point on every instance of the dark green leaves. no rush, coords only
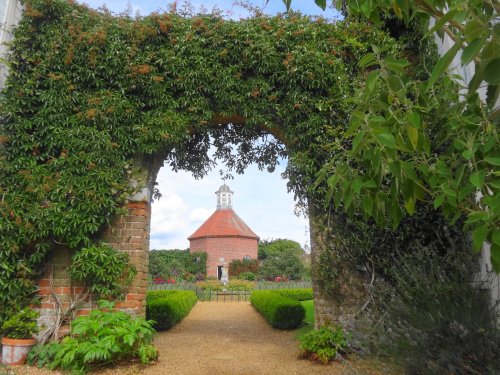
(492, 72)
(321, 3)
(471, 51)
(386, 139)
(443, 64)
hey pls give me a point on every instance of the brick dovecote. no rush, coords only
(224, 236)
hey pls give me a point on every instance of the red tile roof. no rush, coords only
(223, 223)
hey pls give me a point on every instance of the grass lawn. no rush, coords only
(308, 323)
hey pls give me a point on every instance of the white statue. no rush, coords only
(224, 279)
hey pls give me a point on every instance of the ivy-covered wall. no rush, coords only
(96, 102)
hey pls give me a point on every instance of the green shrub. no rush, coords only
(303, 294)
(22, 325)
(240, 285)
(102, 337)
(237, 267)
(280, 311)
(249, 276)
(169, 307)
(177, 263)
(323, 344)
(155, 294)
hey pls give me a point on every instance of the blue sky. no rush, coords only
(261, 198)
(146, 7)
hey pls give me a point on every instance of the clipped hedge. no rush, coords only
(279, 311)
(169, 307)
(303, 294)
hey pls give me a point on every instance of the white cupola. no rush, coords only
(224, 198)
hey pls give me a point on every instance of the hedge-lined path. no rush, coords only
(231, 338)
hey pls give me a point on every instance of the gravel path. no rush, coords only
(218, 338)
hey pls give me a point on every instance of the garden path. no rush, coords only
(229, 338)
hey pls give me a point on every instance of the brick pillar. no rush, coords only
(55, 284)
(130, 233)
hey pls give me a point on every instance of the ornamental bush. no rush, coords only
(169, 307)
(22, 325)
(323, 344)
(100, 338)
(249, 276)
(302, 294)
(279, 311)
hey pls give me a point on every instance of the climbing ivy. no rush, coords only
(90, 92)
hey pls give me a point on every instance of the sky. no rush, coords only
(272, 7)
(260, 198)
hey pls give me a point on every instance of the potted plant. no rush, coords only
(18, 340)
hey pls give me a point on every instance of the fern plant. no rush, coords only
(102, 337)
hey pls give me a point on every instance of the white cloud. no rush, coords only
(200, 214)
(169, 214)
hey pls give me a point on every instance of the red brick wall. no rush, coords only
(128, 233)
(229, 248)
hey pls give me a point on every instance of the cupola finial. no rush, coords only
(224, 197)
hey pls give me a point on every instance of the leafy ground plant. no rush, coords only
(103, 337)
(323, 344)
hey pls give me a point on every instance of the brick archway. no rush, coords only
(291, 102)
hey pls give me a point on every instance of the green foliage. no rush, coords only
(303, 294)
(168, 307)
(279, 311)
(22, 325)
(176, 263)
(323, 344)
(421, 291)
(105, 271)
(240, 285)
(282, 258)
(433, 319)
(279, 247)
(102, 337)
(90, 96)
(237, 267)
(249, 276)
(417, 138)
(288, 266)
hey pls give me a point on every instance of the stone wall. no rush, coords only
(229, 248)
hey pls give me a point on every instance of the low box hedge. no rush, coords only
(169, 307)
(279, 311)
(302, 294)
